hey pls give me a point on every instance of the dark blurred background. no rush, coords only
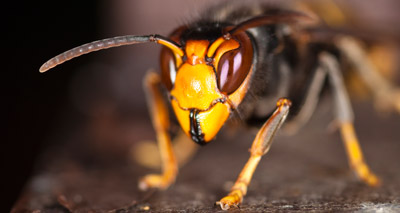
(43, 110)
(32, 102)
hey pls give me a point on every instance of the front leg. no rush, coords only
(261, 145)
(160, 120)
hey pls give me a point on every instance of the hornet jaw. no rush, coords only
(197, 119)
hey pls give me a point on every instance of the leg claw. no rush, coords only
(232, 200)
(153, 181)
(371, 180)
(366, 175)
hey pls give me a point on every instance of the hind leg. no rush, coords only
(386, 95)
(145, 152)
(344, 117)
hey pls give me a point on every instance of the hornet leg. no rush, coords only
(160, 119)
(344, 116)
(386, 95)
(310, 101)
(261, 145)
(183, 147)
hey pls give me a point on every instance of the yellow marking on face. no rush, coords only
(171, 46)
(196, 51)
(212, 120)
(195, 86)
(182, 116)
(214, 46)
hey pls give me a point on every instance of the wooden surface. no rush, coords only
(301, 173)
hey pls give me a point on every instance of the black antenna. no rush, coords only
(108, 43)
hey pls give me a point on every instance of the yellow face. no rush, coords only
(199, 103)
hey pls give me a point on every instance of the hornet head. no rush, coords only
(209, 80)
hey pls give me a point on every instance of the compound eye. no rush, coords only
(168, 68)
(234, 66)
(229, 71)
